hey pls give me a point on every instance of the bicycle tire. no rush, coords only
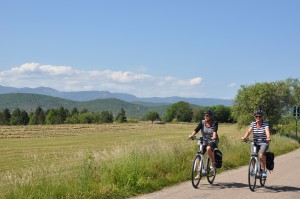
(197, 171)
(262, 181)
(211, 173)
(252, 173)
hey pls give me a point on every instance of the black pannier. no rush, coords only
(270, 160)
(218, 158)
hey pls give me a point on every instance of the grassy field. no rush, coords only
(108, 160)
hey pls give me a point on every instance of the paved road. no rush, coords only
(283, 182)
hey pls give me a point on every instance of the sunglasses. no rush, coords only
(258, 116)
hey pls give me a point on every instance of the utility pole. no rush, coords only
(296, 113)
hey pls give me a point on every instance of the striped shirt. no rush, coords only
(259, 134)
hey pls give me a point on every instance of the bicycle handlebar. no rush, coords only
(249, 140)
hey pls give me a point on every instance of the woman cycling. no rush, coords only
(261, 137)
(209, 129)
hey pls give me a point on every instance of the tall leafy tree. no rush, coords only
(106, 117)
(180, 111)
(273, 98)
(152, 116)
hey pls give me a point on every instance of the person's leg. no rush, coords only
(262, 155)
(210, 151)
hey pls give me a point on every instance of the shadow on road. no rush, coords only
(223, 186)
(282, 189)
(258, 189)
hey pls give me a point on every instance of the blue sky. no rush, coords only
(149, 48)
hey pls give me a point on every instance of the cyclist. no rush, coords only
(209, 130)
(261, 137)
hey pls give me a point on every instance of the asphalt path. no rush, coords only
(283, 182)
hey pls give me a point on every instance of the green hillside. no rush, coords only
(29, 103)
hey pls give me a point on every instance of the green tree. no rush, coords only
(273, 98)
(180, 111)
(19, 117)
(74, 111)
(86, 118)
(106, 117)
(5, 117)
(38, 116)
(52, 117)
(222, 113)
(85, 110)
(152, 116)
(121, 117)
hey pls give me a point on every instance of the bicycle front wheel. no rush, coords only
(252, 173)
(197, 171)
(262, 181)
(211, 173)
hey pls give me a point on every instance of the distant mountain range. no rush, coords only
(29, 102)
(81, 96)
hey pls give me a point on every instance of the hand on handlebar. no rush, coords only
(245, 139)
(192, 137)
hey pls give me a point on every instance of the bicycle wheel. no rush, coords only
(196, 171)
(211, 173)
(262, 181)
(252, 172)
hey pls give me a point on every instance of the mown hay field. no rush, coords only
(108, 160)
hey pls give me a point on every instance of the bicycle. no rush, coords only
(254, 170)
(198, 169)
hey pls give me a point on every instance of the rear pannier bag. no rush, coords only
(270, 160)
(218, 158)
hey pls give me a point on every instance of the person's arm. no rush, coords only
(248, 132)
(215, 133)
(197, 129)
(268, 134)
(214, 137)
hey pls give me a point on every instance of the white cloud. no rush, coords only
(66, 78)
(231, 85)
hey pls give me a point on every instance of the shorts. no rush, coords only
(213, 146)
(263, 148)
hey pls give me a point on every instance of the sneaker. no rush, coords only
(253, 172)
(264, 174)
(197, 177)
(213, 165)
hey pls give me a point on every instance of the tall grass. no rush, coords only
(118, 173)
(127, 169)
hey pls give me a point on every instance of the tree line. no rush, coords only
(178, 112)
(59, 115)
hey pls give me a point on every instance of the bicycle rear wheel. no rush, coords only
(197, 171)
(211, 173)
(252, 172)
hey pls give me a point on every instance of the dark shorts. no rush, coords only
(213, 145)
